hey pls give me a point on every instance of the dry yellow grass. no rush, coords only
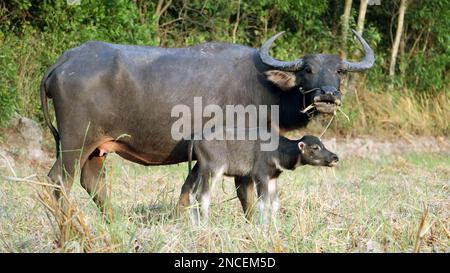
(361, 206)
(396, 113)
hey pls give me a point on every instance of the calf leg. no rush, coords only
(263, 200)
(273, 196)
(187, 189)
(93, 181)
(198, 194)
(202, 190)
(245, 189)
(203, 197)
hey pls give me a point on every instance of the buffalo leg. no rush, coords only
(72, 156)
(93, 181)
(56, 175)
(63, 172)
(246, 193)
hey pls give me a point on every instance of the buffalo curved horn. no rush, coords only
(268, 60)
(368, 60)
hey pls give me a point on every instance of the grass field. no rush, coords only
(394, 204)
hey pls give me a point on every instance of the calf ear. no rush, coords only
(301, 146)
(284, 80)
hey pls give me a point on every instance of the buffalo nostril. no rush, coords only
(335, 158)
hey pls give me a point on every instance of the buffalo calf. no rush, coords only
(216, 158)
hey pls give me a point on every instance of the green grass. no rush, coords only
(362, 205)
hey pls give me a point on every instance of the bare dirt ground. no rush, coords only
(373, 148)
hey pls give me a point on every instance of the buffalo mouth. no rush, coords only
(326, 104)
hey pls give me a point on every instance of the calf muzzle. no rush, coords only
(334, 159)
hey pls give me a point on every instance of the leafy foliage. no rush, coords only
(34, 33)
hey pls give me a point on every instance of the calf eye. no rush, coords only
(316, 148)
(308, 70)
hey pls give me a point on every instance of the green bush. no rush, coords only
(34, 33)
(8, 77)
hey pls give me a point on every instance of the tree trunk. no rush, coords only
(345, 27)
(398, 35)
(236, 24)
(402, 64)
(160, 9)
(361, 16)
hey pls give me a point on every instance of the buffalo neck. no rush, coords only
(288, 153)
(291, 104)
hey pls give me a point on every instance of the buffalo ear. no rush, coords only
(282, 79)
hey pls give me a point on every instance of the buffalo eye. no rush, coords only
(341, 72)
(316, 148)
(308, 70)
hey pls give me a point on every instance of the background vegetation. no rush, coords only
(33, 33)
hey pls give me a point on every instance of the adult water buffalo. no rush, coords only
(118, 98)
